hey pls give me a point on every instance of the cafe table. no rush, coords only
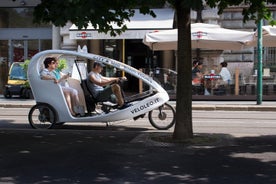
(210, 82)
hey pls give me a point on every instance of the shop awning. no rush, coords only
(138, 26)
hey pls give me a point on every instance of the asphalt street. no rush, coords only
(237, 147)
(130, 157)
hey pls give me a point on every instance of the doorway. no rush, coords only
(137, 56)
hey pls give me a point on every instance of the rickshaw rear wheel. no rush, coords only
(42, 116)
(163, 117)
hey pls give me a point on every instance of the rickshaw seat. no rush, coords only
(90, 100)
(74, 83)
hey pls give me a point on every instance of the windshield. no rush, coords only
(17, 72)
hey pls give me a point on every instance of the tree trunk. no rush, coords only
(183, 127)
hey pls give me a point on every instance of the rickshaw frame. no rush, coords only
(47, 93)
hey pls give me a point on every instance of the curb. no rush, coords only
(16, 105)
(194, 107)
(234, 108)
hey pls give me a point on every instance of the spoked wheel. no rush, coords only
(42, 116)
(163, 117)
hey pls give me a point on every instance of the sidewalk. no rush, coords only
(16, 102)
(234, 105)
(197, 105)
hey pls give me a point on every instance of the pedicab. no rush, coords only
(51, 108)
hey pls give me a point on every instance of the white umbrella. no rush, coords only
(205, 36)
(269, 37)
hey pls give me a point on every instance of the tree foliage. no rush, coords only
(99, 13)
(252, 9)
(104, 12)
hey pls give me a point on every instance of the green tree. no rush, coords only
(102, 13)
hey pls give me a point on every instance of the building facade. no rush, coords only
(20, 39)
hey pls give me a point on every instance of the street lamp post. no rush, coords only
(260, 64)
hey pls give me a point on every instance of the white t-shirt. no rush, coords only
(94, 88)
(45, 72)
(225, 74)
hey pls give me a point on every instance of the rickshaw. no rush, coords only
(51, 108)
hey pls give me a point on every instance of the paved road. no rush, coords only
(243, 150)
(236, 123)
(196, 105)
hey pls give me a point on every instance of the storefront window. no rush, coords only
(14, 50)
(17, 40)
(26, 49)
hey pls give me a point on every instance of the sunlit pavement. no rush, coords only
(197, 105)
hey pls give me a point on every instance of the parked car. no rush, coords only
(17, 83)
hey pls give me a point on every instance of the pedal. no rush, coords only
(140, 116)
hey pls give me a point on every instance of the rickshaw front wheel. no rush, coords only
(163, 117)
(42, 116)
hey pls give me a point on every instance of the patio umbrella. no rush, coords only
(269, 37)
(204, 36)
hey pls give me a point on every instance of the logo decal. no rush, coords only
(145, 106)
(199, 34)
(83, 35)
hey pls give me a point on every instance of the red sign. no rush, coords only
(83, 35)
(199, 34)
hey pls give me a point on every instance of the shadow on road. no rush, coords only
(110, 156)
(12, 124)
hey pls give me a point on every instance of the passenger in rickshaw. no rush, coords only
(50, 72)
(105, 88)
